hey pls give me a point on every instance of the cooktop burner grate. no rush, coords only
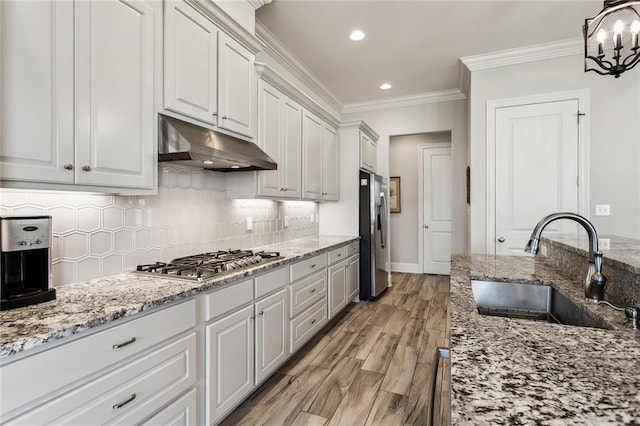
(200, 267)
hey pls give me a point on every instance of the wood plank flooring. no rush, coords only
(371, 367)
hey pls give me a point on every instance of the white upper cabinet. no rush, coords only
(209, 76)
(280, 136)
(312, 154)
(237, 90)
(330, 164)
(191, 63)
(368, 153)
(114, 93)
(77, 95)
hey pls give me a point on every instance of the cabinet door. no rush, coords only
(272, 334)
(181, 412)
(229, 362)
(353, 277)
(269, 137)
(292, 148)
(36, 91)
(330, 164)
(312, 133)
(114, 93)
(337, 289)
(190, 63)
(368, 153)
(236, 78)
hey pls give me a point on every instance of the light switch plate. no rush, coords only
(286, 221)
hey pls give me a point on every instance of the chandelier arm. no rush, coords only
(630, 59)
(598, 71)
(607, 65)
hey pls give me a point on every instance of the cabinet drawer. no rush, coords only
(271, 281)
(307, 266)
(352, 248)
(306, 292)
(337, 255)
(128, 394)
(227, 299)
(181, 412)
(74, 361)
(308, 324)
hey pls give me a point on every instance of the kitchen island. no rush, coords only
(511, 371)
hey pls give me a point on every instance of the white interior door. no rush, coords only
(436, 163)
(536, 170)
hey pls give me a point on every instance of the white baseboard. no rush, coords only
(409, 268)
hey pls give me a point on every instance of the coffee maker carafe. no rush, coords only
(25, 261)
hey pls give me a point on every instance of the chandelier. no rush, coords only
(611, 38)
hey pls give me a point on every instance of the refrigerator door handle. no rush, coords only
(381, 216)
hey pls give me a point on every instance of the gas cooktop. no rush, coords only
(200, 267)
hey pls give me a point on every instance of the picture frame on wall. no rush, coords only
(394, 194)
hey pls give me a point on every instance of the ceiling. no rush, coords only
(414, 45)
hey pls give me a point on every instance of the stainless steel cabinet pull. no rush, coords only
(123, 403)
(252, 317)
(224, 117)
(501, 240)
(86, 168)
(123, 344)
(313, 290)
(440, 353)
(313, 321)
(313, 266)
(339, 254)
(68, 166)
(215, 114)
(261, 313)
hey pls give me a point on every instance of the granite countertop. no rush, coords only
(509, 371)
(81, 306)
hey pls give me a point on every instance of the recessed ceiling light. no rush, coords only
(385, 86)
(207, 161)
(356, 35)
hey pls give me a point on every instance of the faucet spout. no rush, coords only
(595, 281)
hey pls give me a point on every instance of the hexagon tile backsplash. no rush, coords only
(96, 235)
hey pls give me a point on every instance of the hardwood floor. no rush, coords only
(371, 367)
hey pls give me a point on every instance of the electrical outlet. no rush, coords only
(603, 210)
(249, 223)
(286, 221)
(604, 243)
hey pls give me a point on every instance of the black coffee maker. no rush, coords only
(25, 261)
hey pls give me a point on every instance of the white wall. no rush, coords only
(405, 160)
(614, 138)
(428, 118)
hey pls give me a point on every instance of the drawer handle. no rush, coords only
(123, 344)
(123, 403)
(261, 313)
(339, 254)
(313, 321)
(313, 290)
(313, 266)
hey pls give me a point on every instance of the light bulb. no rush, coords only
(601, 36)
(635, 27)
(618, 27)
(356, 35)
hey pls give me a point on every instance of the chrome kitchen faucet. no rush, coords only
(595, 281)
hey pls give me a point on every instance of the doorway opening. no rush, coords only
(425, 194)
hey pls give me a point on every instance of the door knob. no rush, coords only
(86, 168)
(501, 240)
(68, 166)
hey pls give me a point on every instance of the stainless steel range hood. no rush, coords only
(191, 145)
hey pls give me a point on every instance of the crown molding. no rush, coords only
(464, 78)
(227, 24)
(405, 101)
(537, 52)
(289, 61)
(265, 73)
(257, 4)
(360, 125)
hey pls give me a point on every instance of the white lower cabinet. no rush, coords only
(229, 361)
(337, 289)
(353, 276)
(272, 335)
(181, 412)
(123, 374)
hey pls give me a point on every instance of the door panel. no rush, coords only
(312, 157)
(292, 146)
(437, 210)
(536, 170)
(269, 135)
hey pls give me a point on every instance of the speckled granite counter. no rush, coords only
(81, 306)
(515, 372)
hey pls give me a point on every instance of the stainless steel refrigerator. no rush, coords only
(373, 234)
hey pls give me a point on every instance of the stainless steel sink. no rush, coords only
(530, 301)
